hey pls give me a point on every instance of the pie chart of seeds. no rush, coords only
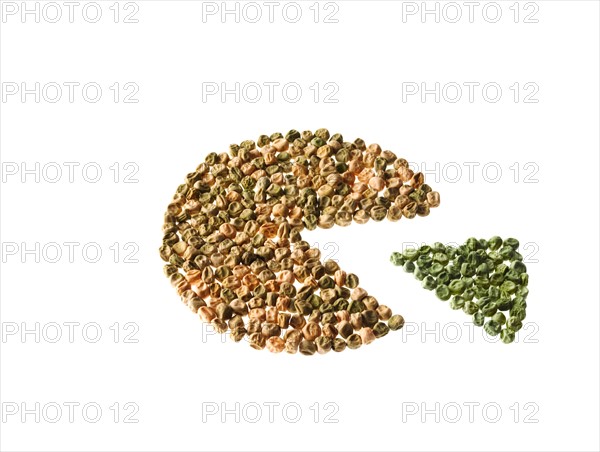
(232, 238)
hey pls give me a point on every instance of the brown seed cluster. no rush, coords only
(234, 251)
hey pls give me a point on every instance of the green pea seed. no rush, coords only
(508, 287)
(499, 318)
(507, 252)
(489, 309)
(518, 312)
(495, 243)
(492, 328)
(504, 304)
(483, 270)
(438, 247)
(411, 254)
(441, 258)
(513, 243)
(467, 269)
(457, 302)
(478, 319)
(468, 294)
(420, 274)
(429, 283)
(397, 259)
(424, 250)
(519, 267)
(482, 282)
(443, 278)
(436, 268)
(479, 291)
(514, 323)
(453, 271)
(493, 291)
(442, 292)
(424, 261)
(456, 287)
(507, 336)
(470, 307)
(496, 279)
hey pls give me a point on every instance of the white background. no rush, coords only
(177, 370)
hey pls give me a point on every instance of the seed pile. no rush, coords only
(234, 251)
(484, 278)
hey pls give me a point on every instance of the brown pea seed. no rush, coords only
(272, 314)
(339, 345)
(384, 312)
(307, 347)
(257, 341)
(195, 303)
(396, 322)
(275, 344)
(257, 314)
(207, 314)
(345, 329)
(270, 329)
(329, 330)
(433, 198)
(377, 183)
(358, 294)
(356, 320)
(324, 344)
(219, 325)
(354, 341)
(367, 335)
(297, 321)
(342, 315)
(311, 331)
(237, 334)
(370, 302)
(380, 330)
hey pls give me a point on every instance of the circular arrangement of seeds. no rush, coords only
(234, 251)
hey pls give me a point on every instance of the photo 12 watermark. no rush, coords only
(270, 412)
(465, 332)
(467, 412)
(69, 252)
(528, 250)
(470, 12)
(69, 412)
(70, 172)
(476, 172)
(117, 12)
(69, 92)
(270, 92)
(461, 333)
(470, 92)
(270, 12)
(69, 332)
(329, 250)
